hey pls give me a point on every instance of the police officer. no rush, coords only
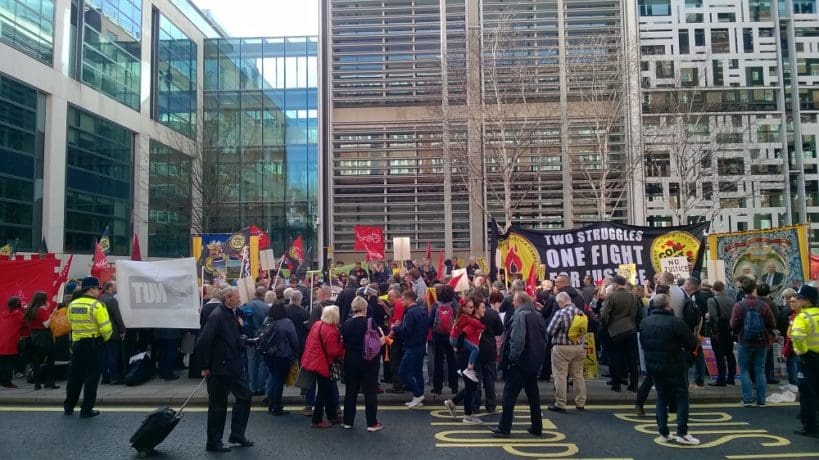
(90, 329)
(805, 338)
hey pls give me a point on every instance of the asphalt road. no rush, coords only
(726, 431)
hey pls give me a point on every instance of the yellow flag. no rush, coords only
(5, 250)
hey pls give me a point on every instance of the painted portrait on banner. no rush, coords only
(777, 256)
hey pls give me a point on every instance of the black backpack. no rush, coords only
(266, 342)
(691, 314)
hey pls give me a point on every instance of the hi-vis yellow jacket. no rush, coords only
(805, 331)
(89, 319)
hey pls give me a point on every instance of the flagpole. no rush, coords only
(278, 271)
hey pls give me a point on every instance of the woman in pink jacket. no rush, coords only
(322, 349)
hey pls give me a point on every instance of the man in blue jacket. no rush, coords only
(413, 333)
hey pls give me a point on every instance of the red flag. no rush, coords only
(441, 265)
(454, 281)
(264, 239)
(136, 254)
(25, 277)
(296, 251)
(61, 278)
(371, 240)
(100, 268)
(429, 250)
(814, 267)
(531, 283)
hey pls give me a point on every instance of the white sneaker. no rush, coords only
(664, 439)
(450, 406)
(470, 374)
(416, 402)
(347, 427)
(688, 440)
(472, 420)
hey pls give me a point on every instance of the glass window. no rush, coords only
(21, 154)
(175, 78)
(169, 202)
(111, 41)
(28, 26)
(98, 182)
(655, 7)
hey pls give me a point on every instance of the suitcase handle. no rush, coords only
(192, 394)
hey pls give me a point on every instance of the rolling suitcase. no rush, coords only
(157, 426)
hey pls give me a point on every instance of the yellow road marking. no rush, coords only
(454, 436)
(547, 424)
(788, 455)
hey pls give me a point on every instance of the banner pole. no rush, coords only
(278, 271)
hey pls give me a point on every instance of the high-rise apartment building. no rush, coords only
(142, 116)
(719, 116)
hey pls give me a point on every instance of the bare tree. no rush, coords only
(596, 72)
(511, 114)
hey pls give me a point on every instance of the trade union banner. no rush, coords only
(776, 256)
(371, 240)
(160, 294)
(597, 249)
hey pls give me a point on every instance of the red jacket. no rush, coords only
(470, 326)
(12, 326)
(314, 358)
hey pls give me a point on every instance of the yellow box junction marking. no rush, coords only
(713, 429)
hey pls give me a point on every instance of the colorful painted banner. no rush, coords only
(598, 249)
(226, 255)
(777, 256)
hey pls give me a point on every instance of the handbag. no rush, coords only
(305, 379)
(58, 323)
(290, 380)
(336, 371)
(622, 328)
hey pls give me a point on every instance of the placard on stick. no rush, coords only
(677, 266)
(401, 248)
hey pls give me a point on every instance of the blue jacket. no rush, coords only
(413, 329)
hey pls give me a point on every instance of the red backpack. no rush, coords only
(444, 317)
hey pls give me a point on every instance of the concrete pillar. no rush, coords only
(474, 101)
(54, 170)
(566, 157)
(141, 205)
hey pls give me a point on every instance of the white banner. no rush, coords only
(160, 294)
(677, 266)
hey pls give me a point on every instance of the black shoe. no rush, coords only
(632, 388)
(37, 387)
(730, 380)
(498, 433)
(117, 382)
(241, 442)
(616, 388)
(534, 433)
(266, 401)
(491, 410)
(554, 408)
(773, 381)
(716, 384)
(395, 391)
(638, 409)
(220, 448)
(171, 378)
(93, 413)
(258, 393)
(810, 434)
(52, 386)
(437, 392)
(105, 382)
(68, 412)
(580, 408)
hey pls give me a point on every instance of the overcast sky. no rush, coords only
(269, 18)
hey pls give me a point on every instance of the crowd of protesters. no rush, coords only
(377, 325)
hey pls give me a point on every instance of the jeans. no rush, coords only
(411, 370)
(726, 361)
(84, 374)
(6, 369)
(470, 347)
(257, 370)
(310, 395)
(700, 372)
(324, 401)
(489, 375)
(443, 350)
(750, 357)
(396, 352)
(167, 360)
(793, 369)
(517, 379)
(672, 388)
(113, 361)
(279, 369)
(219, 386)
(361, 376)
(43, 358)
(469, 395)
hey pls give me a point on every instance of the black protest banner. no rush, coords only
(597, 249)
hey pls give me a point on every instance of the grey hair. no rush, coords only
(563, 298)
(295, 297)
(662, 301)
(227, 292)
(522, 298)
(518, 286)
(789, 292)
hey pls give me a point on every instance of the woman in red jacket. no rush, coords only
(11, 328)
(323, 348)
(42, 343)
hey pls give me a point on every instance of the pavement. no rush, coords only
(158, 392)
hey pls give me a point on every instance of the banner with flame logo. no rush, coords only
(597, 250)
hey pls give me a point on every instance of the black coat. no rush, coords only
(219, 348)
(345, 302)
(115, 316)
(667, 343)
(488, 346)
(300, 318)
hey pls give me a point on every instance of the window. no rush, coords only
(684, 44)
(754, 76)
(169, 202)
(760, 10)
(174, 78)
(98, 182)
(720, 43)
(699, 37)
(730, 166)
(22, 129)
(655, 7)
(718, 75)
(748, 40)
(665, 69)
(28, 26)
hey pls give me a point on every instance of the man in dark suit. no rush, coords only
(773, 278)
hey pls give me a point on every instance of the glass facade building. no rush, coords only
(99, 178)
(174, 77)
(261, 131)
(21, 157)
(28, 26)
(170, 201)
